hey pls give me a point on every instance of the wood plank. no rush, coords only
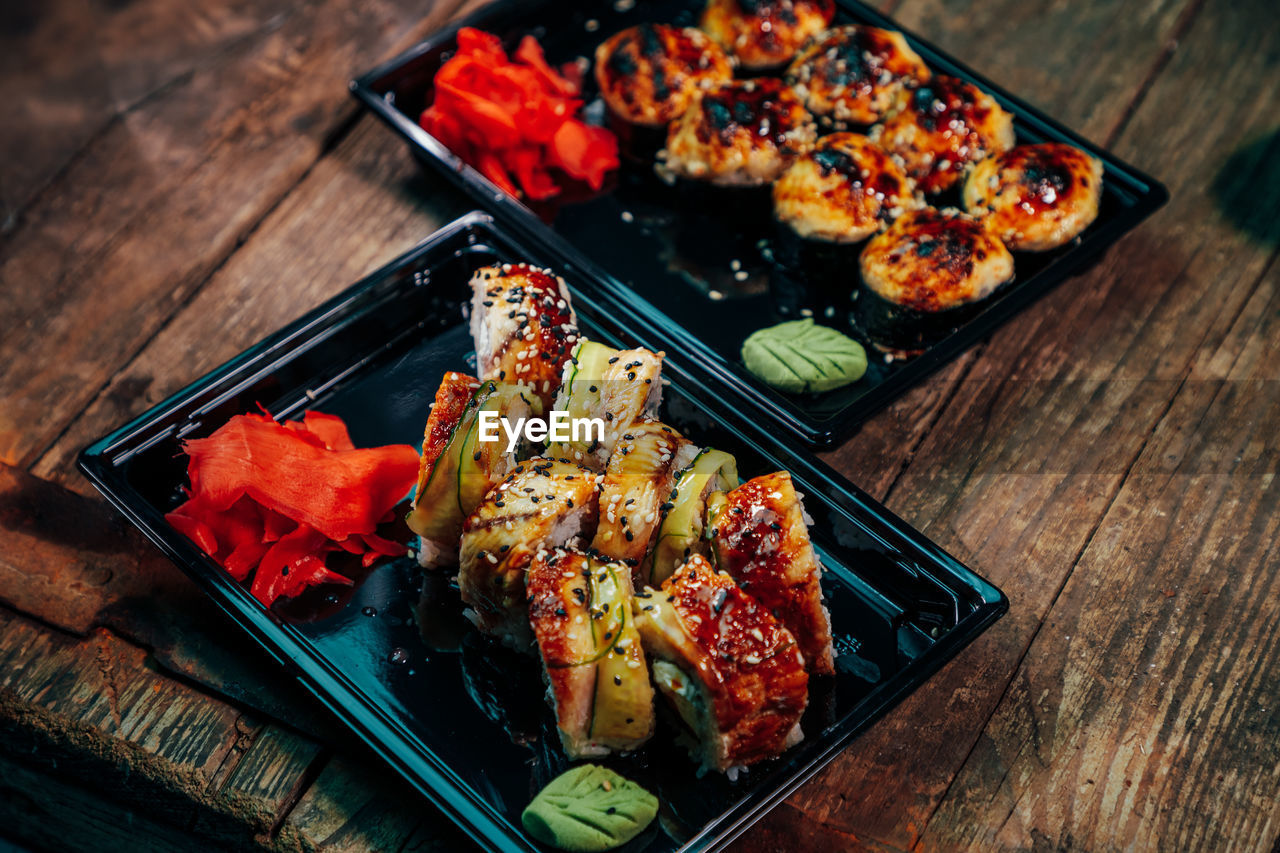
(49, 812)
(68, 68)
(162, 198)
(91, 708)
(1146, 710)
(1020, 469)
(75, 563)
(272, 773)
(361, 206)
(355, 805)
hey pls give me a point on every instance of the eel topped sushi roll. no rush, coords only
(940, 128)
(649, 74)
(637, 485)
(613, 388)
(580, 608)
(765, 34)
(1037, 197)
(542, 504)
(759, 535)
(731, 671)
(680, 532)
(456, 469)
(925, 275)
(523, 326)
(852, 74)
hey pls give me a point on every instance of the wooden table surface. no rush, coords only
(180, 179)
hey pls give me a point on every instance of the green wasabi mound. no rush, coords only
(800, 356)
(589, 808)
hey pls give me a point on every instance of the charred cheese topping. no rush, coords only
(853, 73)
(1036, 197)
(648, 74)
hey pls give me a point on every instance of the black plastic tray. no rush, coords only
(462, 720)
(665, 257)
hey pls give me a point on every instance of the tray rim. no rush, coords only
(378, 728)
(1149, 195)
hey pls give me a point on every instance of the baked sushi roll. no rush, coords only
(941, 128)
(759, 535)
(648, 75)
(925, 275)
(523, 326)
(595, 668)
(683, 516)
(637, 484)
(731, 671)
(852, 74)
(1036, 197)
(614, 389)
(764, 34)
(456, 469)
(541, 504)
(742, 133)
(842, 191)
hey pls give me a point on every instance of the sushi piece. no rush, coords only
(731, 671)
(523, 326)
(1036, 197)
(925, 275)
(649, 74)
(457, 469)
(842, 191)
(611, 388)
(637, 484)
(679, 535)
(594, 664)
(542, 504)
(853, 73)
(739, 134)
(941, 128)
(764, 34)
(760, 537)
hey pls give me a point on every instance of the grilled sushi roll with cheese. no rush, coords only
(925, 275)
(615, 388)
(943, 127)
(679, 535)
(637, 484)
(853, 73)
(523, 326)
(739, 134)
(760, 537)
(541, 504)
(1036, 197)
(456, 469)
(648, 75)
(765, 34)
(732, 672)
(598, 679)
(842, 191)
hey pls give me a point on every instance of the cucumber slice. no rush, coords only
(680, 534)
(580, 395)
(623, 709)
(461, 476)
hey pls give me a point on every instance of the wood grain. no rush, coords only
(162, 199)
(1146, 708)
(1019, 471)
(360, 207)
(69, 68)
